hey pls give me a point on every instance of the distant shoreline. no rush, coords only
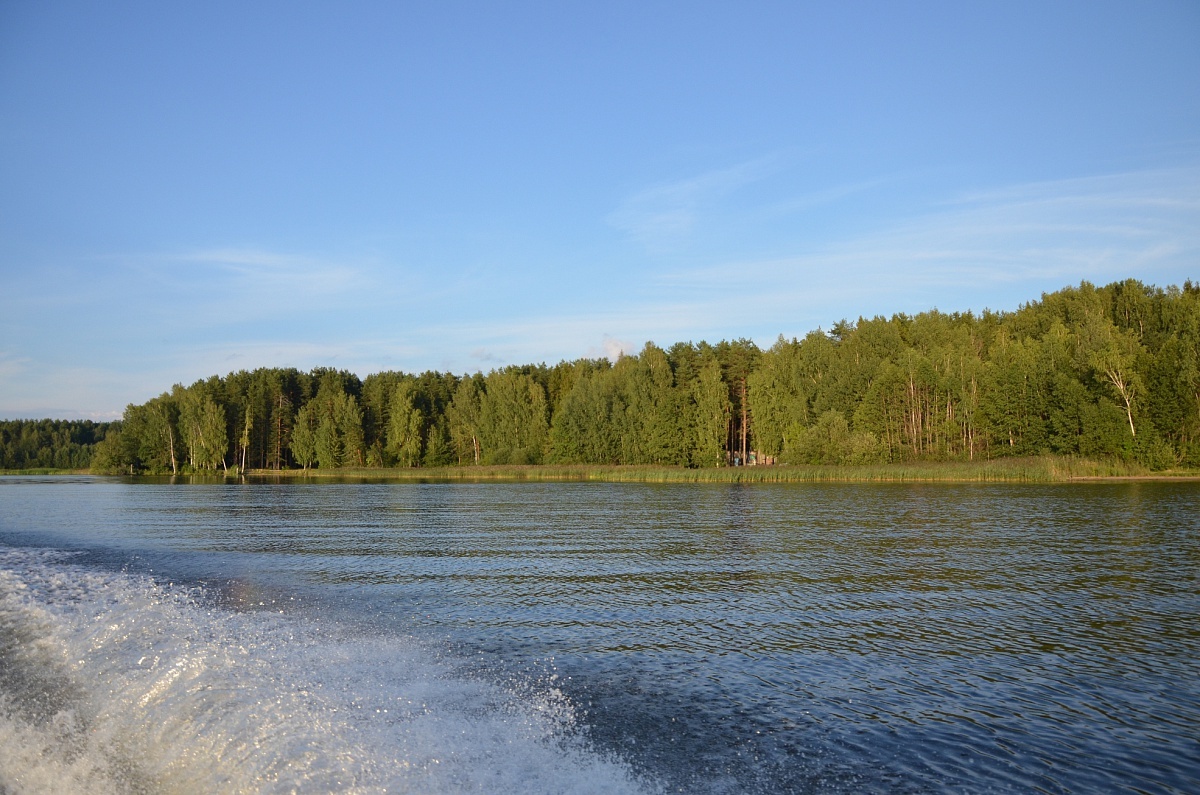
(988, 472)
(1169, 476)
(1040, 469)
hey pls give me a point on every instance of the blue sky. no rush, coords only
(189, 190)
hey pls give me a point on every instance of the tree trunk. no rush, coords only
(744, 417)
(1115, 377)
(171, 444)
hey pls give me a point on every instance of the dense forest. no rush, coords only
(49, 444)
(1108, 372)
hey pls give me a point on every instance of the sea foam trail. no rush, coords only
(112, 683)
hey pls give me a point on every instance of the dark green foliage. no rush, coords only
(51, 444)
(514, 418)
(463, 421)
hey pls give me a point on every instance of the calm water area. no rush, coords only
(590, 637)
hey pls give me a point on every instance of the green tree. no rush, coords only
(438, 450)
(108, 455)
(328, 442)
(1112, 354)
(150, 436)
(830, 441)
(738, 360)
(463, 417)
(349, 424)
(244, 443)
(779, 392)
(711, 398)
(1013, 398)
(584, 430)
(214, 435)
(405, 426)
(303, 442)
(513, 418)
(338, 438)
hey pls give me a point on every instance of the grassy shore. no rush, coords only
(1039, 469)
(1042, 469)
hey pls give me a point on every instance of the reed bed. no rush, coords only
(1040, 469)
(1034, 469)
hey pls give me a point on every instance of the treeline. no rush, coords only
(1110, 372)
(49, 444)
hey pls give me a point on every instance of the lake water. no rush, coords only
(354, 637)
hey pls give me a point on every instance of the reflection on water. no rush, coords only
(809, 638)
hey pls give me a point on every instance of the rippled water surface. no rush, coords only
(599, 637)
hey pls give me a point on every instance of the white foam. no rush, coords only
(113, 683)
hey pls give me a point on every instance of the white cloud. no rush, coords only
(72, 392)
(272, 269)
(282, 281)
(12, 365)
(210, 290)
(663, 213)
(1024, 238)
(614, 348)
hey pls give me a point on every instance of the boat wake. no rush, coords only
(115, 683)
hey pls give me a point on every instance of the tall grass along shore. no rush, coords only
(1040, 469)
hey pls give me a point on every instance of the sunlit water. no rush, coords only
(598, 638)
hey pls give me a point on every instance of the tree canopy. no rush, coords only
(50, 444)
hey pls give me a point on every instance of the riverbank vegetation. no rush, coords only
(1103, 374)
(42, 446)
(1036, 469)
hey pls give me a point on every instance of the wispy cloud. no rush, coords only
(220, 288)
(822, 197)
(359, 352)
(592, 333)
(614, 348)
(11, 365)
(1023, 238)
(263, 276)
(304, 273)
(85, 392)
(663, 213)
